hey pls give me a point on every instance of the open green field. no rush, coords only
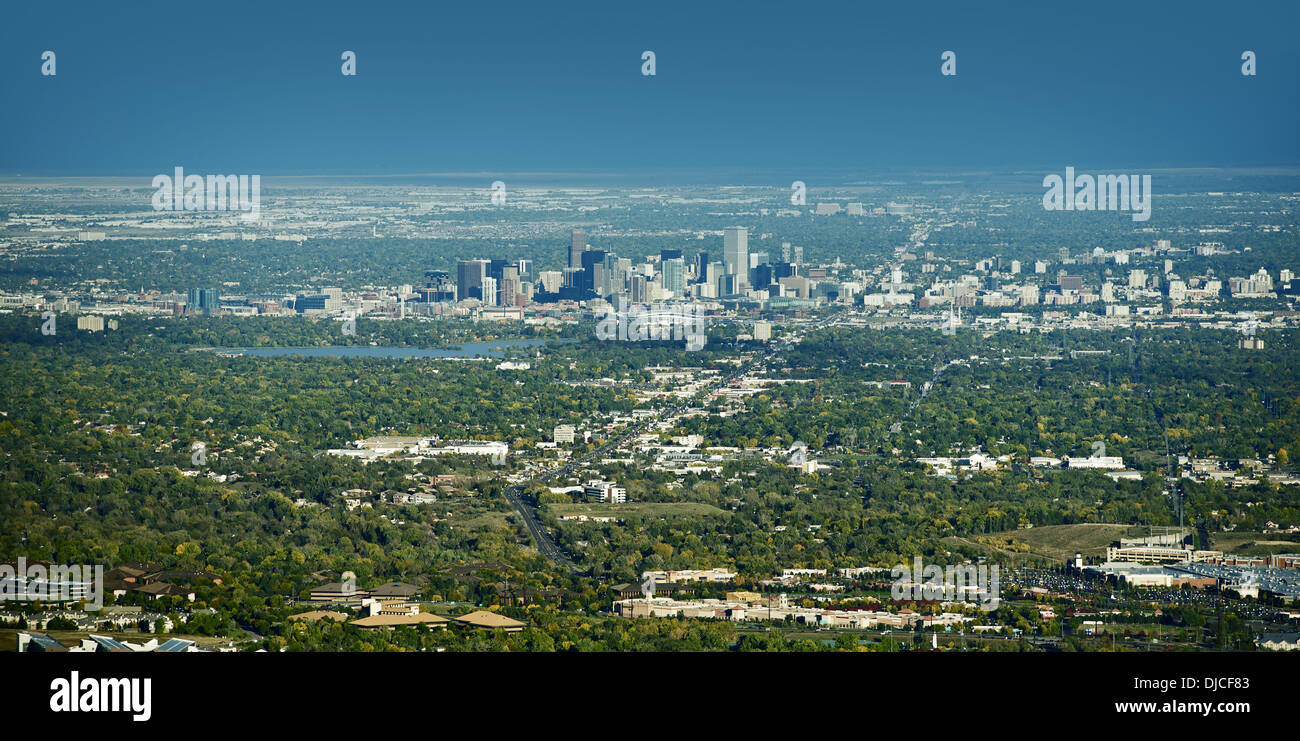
(484, 520)
(1254, 544)
(1057, 543)
(637, 510)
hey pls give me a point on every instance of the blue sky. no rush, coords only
(788, 88)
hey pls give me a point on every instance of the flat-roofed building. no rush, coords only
(690, 575)
(1159, 554)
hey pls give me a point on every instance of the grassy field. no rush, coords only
(483, 520)
(636, 510)
(1057, 543)
(1254, 544)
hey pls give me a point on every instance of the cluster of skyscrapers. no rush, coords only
(494, 282)
(599, 273)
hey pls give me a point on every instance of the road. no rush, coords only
(546, 544)
(926, 388)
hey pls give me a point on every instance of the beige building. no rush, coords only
(485, 620)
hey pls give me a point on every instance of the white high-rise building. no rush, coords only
(550, 280)
(674, 273)
(735, 254)
(1177, 291)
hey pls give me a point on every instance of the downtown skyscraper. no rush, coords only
(735, 255)
(674, 271)
(470, 275)
(577, 245)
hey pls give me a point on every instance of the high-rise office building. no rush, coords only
(640, 293)
(598, 274)
(577, 245)
(714, 272)
(588, 261)
(204, 300)
(701, 267)
(571, 285)
(437, 287)
(508, 286)
(496, 268)
(620, 272)
(667, 254)
(470, 275)
(674, 270)
(489, 291)
(328, 300)
(735, 254)
(550, 281)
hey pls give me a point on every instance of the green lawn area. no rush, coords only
(1055, 542)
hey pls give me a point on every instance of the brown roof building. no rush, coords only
(484, 620)
(391, 621)
(315, 615)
